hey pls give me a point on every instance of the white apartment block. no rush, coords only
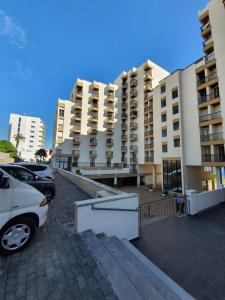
(32, 129)
(162, 129)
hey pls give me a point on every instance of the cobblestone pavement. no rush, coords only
(56, 265)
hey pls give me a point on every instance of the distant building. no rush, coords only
(32, 129)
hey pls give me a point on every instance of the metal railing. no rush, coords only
(149, 159)
(149, 132)
(207, 78)
(209, 117)
(159, 208)
(133, 148)
(133, 137)
(208, 41)
(205, 26)
(113, 209)
(133, 82)
(211, 137)
(148, 146)
(91, 165)
(124, 126)
(210, 57)
(213, 158)
(148, 107)
(149, 120)
(124, 137)
(211, 96)
(133, 125)
(124, 148)
(133, 93)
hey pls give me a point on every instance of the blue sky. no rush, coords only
(45, 45)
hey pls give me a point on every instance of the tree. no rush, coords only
(41, 154)
(18, 138)
(7, 147)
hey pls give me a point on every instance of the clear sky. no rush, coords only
(46, 44)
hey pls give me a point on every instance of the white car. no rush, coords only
(42, 170)
(23, 209)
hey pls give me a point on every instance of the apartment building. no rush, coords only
(33, 131)
(165, 129)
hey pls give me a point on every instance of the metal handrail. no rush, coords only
(113, 209)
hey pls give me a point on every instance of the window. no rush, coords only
(172, 175)
(176, 142)
(34, 168)
(163, 89)
(176, 125)
(32, 126)
(32, 121)
(164, 132)
(174, 94)
(163, 118)
(31, 136)
(61, 112)
(164, 148)
(32, 131)
(22, 174)
(163, 103)
(175, 109)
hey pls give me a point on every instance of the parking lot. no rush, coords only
(56, 265)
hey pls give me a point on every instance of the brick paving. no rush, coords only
(57, 264)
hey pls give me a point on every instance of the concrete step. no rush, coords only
(121, 285)
(144, 287)
(147, 276)
(168, 288)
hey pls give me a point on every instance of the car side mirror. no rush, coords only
(4, 182)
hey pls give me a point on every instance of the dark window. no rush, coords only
(176, 142)
(176, 125)
(35, 168)
(164, 148)
(175, 109)
(164, 132)
(174, 94)
(163, 118)
(61, 112)
(163, 89)
(163, 103)
(172, 176)
(22, 174)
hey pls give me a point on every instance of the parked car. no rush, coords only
(41, 170)
(44, 185)
(23, 209)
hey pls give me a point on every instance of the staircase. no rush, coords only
(131, 275)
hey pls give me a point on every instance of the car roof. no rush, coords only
(31, 164)
(12, 166)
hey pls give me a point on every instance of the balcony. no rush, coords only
(110, 88)
(109, 120)
(110, 98)
(94, 106)
(149, 120)
(205, 26)
(124, 85)
(93, 153)
(147, 66)
(148, 107)
(76, 153)
(218, 136)
(94, 96)
(124, 116)
(133, 160)
(148, 133)
(93, 118)
(109, 131)
(109, 108)
(78, 94)
(109, 142)
(93, 130)
(124, 127)
(109, 154)
(76, 141)
(133, 93)
(149, 159)
(206, 79)
(124, 95)
(123, 138)
(76, 129)
(148, 77)
(133, 114)
(133, 137)
(209, 97)
(95, 85)
(216, 117)
(213, 158)
(133, 103)
(133, 126)
(133, 148)
(77, 104)
(124, 105)
(93, 142)
(148, 86)
(208, 43)
(149, 146)
(210, 58)
(60, 129)
(123, 148)
(133, 73)
(133, 82)
(124, 160)
(147, 96)
(76, 117)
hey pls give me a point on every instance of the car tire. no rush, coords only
(49, 193)
(16, 235)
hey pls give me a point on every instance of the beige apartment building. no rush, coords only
(149, 126)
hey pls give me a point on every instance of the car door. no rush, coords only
(6, 200)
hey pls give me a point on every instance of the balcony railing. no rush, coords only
(133, 93)
(124, 95)
(109, 119)
(93, 153)
(147, 96)
(124, 84)
(133, 160)
(133, 82)
(109, 131)
(209, 58)
(133, 148)
(76, 153)
(124, 160)
(133, 103)
(213, 158)
(149, 132)
(212, 137)
(133, 137)
(149, 146)
(209, 117)
(109, 154)
(149, 159)
(208, 41)
(148, 86)
(207, 78)
(93, 118)
(123, 138)
(124, 105)
(93, 130)
(109, 143)
(76, 142)
(124, 116)
(133, 125)
(124, 127)
(93, 142)
(149, 119)
(148, 107)
(76, 128)
(133, 114)
(205, 26)
(124, 148)
(211, 96)
(77, 104)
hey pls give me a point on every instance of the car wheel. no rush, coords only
(16, 235)
(48, 194)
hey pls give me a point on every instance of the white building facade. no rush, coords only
(33, 131)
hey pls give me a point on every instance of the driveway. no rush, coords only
(56, 265)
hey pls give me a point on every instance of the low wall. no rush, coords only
(110, 211)
(88, 172)
(5, 158)
(200, 202)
